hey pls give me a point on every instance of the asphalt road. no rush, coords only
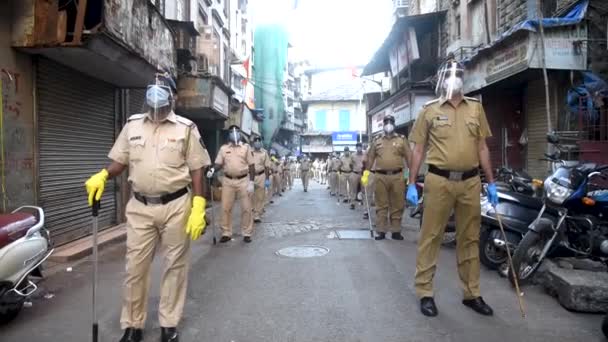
(361, 290)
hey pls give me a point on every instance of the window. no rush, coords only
(203, 20)
(320, 120)
(226, 64)
(344, 120)
(457, 26)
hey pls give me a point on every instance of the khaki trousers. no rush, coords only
(333, 182)
(304, 175)
(147, 225)
(231, 190)
(259, 196)
(440, 197)
(371, 189)
(343, 179)
(390, 202)
(353, 184)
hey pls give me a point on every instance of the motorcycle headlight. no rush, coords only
(556, 193)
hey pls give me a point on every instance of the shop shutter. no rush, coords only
(76, 132)
(537, 129)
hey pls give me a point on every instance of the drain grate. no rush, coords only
(353, 234)
(303, 251)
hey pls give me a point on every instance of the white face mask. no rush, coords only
(452, 86)
(389, 128)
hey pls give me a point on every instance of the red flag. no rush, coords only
(246, 66)
(353, 72)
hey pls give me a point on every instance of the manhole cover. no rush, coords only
(353, 234)
(303, 251)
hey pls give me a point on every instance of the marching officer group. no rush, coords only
(167, 162)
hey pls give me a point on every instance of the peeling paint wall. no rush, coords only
(18, 118)
(142, 28)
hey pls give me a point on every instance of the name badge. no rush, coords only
(442, 118)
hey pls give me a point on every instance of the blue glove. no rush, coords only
(412, 194)
(267, 184)
(492, 194)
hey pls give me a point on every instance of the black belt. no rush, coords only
(333, 171)
(164, 199)
(453, 175)
(261, 172)
(345, 171)
(236, 177)
(357, 173)
(389, 172)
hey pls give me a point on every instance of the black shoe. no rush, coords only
(352, 207)
(280, 195)
(365, 216)
(397, 236)
(247, 239)
(271, 202)
(132, 335)
(257, 220)
(428, 307)
(479, 306)
(225, 239)
(169, 335)
(381, 236)
(345, 200)
(305, 190)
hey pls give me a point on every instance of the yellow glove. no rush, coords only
(96, 184)
(196, 222)
(365, 178)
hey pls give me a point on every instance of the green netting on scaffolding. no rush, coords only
(270, 62)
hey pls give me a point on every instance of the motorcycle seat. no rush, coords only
(14, 226)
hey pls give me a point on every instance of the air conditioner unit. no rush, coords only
(401, 3)
(400, 8)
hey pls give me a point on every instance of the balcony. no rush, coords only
(122, 42)
(203, 97)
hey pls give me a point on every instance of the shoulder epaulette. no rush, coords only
(183, 120)
(136, 117)
(430, 103)
(471, 98)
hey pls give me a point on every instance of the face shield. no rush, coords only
(449, 80)
(234, 135)
(257, 145)
(158, 98)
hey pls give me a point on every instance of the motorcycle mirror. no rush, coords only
(552, 138)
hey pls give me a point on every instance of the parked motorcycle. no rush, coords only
(509, 180)
(581, 228)
(24, 246)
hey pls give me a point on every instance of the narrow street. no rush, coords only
(362, 290)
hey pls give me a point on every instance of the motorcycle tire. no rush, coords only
(532, 241)
(490, 255)
(10, 307)
(605, 326)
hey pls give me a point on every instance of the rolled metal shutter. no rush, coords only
(76, 117)
(537, 128)
(136, 101)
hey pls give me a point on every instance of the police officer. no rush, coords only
(165, 157)
(453, 129)
(277, 176)
(346, 168)
(305, 172)
(236, 158)
(261, 161)
(355, 177)
(334, 168)
(389, 153)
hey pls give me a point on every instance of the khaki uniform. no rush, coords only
(235, 160)
(355, 176)
(334, 167)
(388, 152)
(451, 136)
(277, 179)
(305, 167)
(323, 172)
(160, 157)
(346, 169)
(261, 161)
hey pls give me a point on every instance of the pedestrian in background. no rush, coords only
(165, 157)
(305, 172)
(236, 158)
(453, 130)
(261, 161)
(355, 177)
(346, 168)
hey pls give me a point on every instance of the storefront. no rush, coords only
(404, 107)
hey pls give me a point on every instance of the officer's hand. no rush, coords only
(95, 185)
(492, 194)
(267, 184)
(412, 194)
(250, 186)
(210, 173)
(365, 178)
(196, 222)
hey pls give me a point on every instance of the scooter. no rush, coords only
(24, 246)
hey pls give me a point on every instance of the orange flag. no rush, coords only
(246, 66)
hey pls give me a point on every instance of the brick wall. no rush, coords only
(510, 12)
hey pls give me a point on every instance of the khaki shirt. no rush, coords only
(346, 163)
(261, 160)
(388, 152)
(235, 159)
(161, 155)
(358, 160)
(335, 164)
(451, 134)
(305, 166)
